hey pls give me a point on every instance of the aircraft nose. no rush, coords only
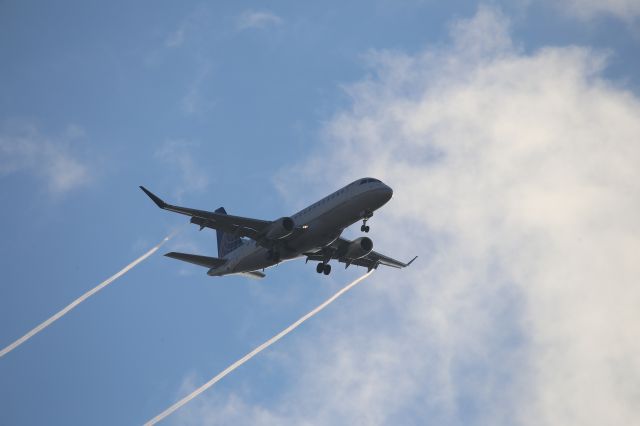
(388, 192)
(385, 193)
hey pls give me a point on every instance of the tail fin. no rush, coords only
(226, 242)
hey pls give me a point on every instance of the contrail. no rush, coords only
(253, 353)
(84, 297)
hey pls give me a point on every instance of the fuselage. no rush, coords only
(321, 224)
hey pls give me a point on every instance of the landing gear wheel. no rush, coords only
(327, 269)
(320, 268)
(365, 227)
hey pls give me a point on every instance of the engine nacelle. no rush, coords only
(280, 228)
(358, 248)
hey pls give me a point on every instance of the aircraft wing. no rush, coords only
(370, 261)
(375, 258)
(240, 226)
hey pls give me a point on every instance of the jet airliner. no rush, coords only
(248, 246)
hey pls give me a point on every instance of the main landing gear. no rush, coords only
(323, 268)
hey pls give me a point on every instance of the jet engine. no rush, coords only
(280, 228)
(358, 248)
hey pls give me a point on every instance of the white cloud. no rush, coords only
(233, 409)
(187, 175)
(176, 38)
(252, 19)
(52, 159)
(627, 10)
(190, 28)
(193, 102)
(516, 179)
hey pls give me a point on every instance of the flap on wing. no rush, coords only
(230, 227)
(207, 262)
(254, 274)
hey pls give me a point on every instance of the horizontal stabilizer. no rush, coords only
(207, 262)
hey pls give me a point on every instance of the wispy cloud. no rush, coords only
(187, 175)
(23, 149)
(193, 102)
(516, 177)
(626, 10)
(252, 19)
(176, 38)
(190, 28)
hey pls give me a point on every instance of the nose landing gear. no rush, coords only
(366, 217)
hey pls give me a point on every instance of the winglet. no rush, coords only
(411, 261)
(154, 197)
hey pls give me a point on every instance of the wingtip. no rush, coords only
(154, 197)
(411, 261)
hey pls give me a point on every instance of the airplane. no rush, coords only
(248, 246)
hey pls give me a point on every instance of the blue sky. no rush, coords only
(508, 131)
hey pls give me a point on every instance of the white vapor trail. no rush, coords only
(254, 352)
(84, 297)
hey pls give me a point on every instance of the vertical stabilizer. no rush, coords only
(226, 242)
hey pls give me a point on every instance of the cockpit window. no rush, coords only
(368, 180)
